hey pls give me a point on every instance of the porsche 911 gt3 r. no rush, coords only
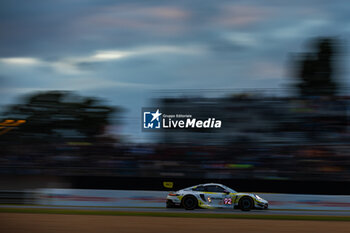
(214, 196)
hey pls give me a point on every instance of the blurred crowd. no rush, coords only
(227, 162)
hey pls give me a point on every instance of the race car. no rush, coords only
(214, 195)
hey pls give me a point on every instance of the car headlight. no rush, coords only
(259, 198)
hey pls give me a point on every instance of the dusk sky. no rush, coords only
(123, 51)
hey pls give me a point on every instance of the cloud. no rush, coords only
(242, 39)
(21, 61)
(299, 28)
(71, 65)
(238, 16)
(266, 70)
(159, 20)
(26, 62)
(109, 55)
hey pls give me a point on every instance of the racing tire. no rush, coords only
(189, 202)
(246, 203)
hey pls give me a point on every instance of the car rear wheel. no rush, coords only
(246, 203)
(189, 202)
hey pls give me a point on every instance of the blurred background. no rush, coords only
(74, 76)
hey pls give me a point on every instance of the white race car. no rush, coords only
(214, 196)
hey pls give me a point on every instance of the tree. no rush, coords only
(55, 115)
(316, 70)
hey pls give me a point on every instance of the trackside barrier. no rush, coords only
(93, 197)
(307, 201)
(130, 198)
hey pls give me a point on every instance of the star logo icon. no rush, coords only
(156, 115)
(151, 119)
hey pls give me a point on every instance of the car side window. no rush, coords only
(214, 188)
(199, 188)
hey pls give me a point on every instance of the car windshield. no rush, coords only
(229, 189)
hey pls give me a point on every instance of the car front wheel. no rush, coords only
(246, 203)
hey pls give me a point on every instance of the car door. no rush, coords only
(218, 197)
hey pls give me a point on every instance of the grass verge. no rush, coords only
(179, 215)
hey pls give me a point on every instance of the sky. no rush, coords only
(125, 51)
